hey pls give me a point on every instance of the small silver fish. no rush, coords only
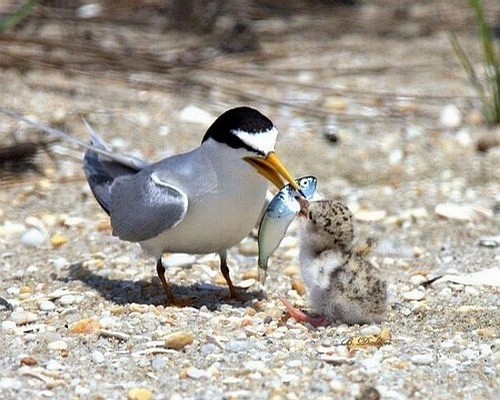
(280, 213)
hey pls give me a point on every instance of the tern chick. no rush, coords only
(343, 286)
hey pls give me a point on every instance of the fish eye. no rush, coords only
(303, 182)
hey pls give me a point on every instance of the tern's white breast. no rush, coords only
(220, 217)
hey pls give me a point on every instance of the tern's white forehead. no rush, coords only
(263, 142)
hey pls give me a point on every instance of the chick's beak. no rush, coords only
(273, 170)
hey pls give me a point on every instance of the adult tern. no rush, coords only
(202, 201)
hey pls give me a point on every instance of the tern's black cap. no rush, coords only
(240, 118)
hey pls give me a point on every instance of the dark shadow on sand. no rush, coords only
(123, 292)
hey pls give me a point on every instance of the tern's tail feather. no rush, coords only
(102, 170)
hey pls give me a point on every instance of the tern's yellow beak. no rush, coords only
(273, 170)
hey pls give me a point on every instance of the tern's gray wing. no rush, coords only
(102, 170)
(143, 206)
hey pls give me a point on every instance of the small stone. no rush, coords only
(23, 317)
(73, 221)
(299, 287)
(335, 103)
(196, 373)
(179, 340)
(8, 326)
(370, 330)
(255, 365)
(159, 364)
(28, 360)
(208, 348)
(54, 365)
(414, 295)
(33, 238)
(139, 394)
(196, 115)
(58, 240)
(417, 280)
(11, 384)
(248, 248)
(98, 357)
(139, 308)
(337, 386)
(487, 332)
(251, 274)
(58, 345)
(236, 346)
(12, 229)
(247, 283)
(370, 215)
(47, 305)
(93, 10)
(68, 300)
(422, 359)
(450, 116)
(489, 241)
(291, 270)
(85, 326)
(104, 225)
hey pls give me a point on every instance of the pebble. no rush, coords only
(179, 340)
(8, 326)
(196, 115)
(487, 332)
(33, 238)
(159, 364)
(69, 299)
(57, 240)
(23, 317)
(417, 279)
(450, 116)
(248, 248)
(47, 305)
(370, 330)
(98, 357)
(489, 241)
(414, 295)
(58, 345)
(208, 348)
(54, 365)
(256, 365)
(299, 287)
(422, 359)
(85, 326)
(139, 394)
(12, 229)
(370, 215)
(337, 386)
(196, 373)
(236, 346)
(11, 384)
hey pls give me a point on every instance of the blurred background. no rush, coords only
(375, 81)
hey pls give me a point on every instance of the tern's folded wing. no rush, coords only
(143, 206)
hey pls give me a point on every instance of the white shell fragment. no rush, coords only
(487, 277)
(464, 212)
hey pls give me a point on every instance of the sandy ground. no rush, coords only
(89, 319)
